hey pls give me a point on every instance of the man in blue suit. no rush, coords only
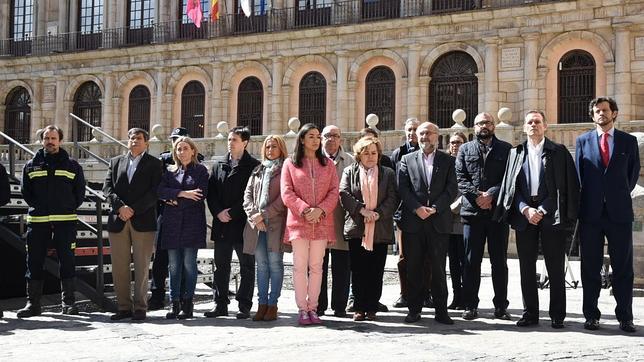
(608, 165)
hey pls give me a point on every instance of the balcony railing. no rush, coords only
(274, 20)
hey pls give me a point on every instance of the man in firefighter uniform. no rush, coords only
(53, 185)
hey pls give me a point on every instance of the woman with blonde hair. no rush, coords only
(183, 188)
(265, 227)
(368, 194)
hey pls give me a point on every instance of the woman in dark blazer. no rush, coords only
(368, 194)
(183, 188)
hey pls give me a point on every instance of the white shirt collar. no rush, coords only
(538, 147)
(611, 132)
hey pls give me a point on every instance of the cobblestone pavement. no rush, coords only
(92, 336)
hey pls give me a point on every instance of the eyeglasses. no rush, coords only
(483, 123)
(331, 135)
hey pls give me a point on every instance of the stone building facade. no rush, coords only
(407, 62)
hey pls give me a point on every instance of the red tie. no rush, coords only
(603, 149)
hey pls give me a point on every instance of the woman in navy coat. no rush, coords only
(183, 188)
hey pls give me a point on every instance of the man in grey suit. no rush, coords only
(427, 186)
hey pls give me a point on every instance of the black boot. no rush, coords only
(68, 288)
(34, 292)
(174, 310)
(186, 309)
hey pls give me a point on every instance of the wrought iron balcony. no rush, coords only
(273, 20)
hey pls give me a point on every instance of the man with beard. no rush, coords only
(480, 166)
(608, 165)
(427, 187)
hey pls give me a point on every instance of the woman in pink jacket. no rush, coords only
(310, 191)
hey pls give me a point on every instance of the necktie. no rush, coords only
(603, 149)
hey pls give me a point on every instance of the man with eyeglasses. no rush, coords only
(410, 145)
(339, 252)
(480, 166)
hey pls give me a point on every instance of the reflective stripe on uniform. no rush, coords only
(50, 218)
(67, 174)
(35, 174)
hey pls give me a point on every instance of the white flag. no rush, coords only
(245, 5)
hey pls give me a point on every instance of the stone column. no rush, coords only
(413, 74)
(530, 64)
(110, 123)
(216, 114)
(37, 120)
(4, 14)
(63, 107)
(63, 16)
(491, 75)
(160, 111)
(623, 70)
(41, 18)
(73, 22)
(341, 109)
(120, 19)
(276, 120)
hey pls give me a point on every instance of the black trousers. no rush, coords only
(159, 266)
(62, 235)
(620, 249)
(223, 258)
(340, 280)
(367, 271)
(475, 234)
(402, 272)
(456, 253)
(553, 243)
(418, 246)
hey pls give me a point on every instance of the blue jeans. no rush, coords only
(269, 268)
(183, 266)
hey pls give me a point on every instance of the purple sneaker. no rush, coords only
(313, 316)
(304, 319)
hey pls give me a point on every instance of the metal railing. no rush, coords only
(97, 294)
(274, 20)
(79, 147)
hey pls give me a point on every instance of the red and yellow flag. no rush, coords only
(214, 10)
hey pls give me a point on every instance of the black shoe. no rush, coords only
(30, 310)
(500, 313)
(470, 314)
(557, 324)
(412, 317)
(428, 302)
(592, 324)
(244, 313)
(122, 314)
(401, 302)
(187, 307)
(221, 310)
(627, 326)
(382, 308)
(138, 315)
(455, 305)
(155, 303)
(320, 312)
(341, 313)
(70, 309)
(174, 310)
(443, 318)
(528, 320)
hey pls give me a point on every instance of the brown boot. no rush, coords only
(271, 313)
(261, 312)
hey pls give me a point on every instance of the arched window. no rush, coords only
(193, 105)
(250, 104)
(187, 29)
(17, 115)
(90, 22)
(139, 108)
(21, 28)
(313, 99)
(87, 106)
(380, 97)
(140, 21)
(576, 86)
(454, 85)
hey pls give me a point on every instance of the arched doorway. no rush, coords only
(87, 106)
(380, 96)
(312, 101)
(193, 105)
(139, 108)
(17, 115)
(576, 86)
(250, 103)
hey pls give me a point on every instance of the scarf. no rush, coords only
(369, 187)
(270, 167)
